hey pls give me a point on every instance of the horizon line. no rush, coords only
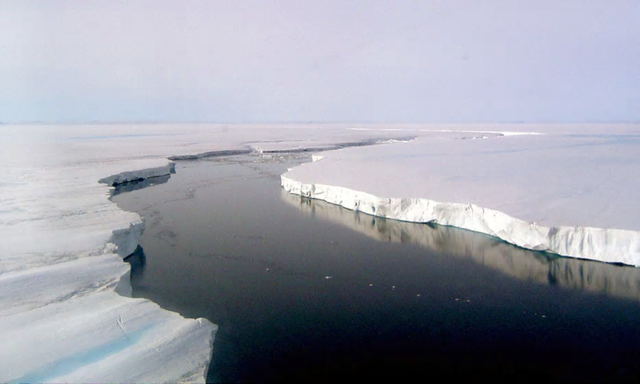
(158, 122)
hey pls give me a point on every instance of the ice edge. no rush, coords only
(124, 241)
(600, 244)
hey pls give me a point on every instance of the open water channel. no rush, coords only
(305, 291)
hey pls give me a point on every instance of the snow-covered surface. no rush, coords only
(568, 189)
(64, 310)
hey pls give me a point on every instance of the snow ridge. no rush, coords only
(607, 245)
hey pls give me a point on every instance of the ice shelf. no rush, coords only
(566, 189)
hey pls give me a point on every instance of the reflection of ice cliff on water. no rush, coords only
(522, 264)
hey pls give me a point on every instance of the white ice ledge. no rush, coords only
(607, 245)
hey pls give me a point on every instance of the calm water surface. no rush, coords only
(305, 291)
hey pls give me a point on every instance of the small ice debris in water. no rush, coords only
(328, 277)
(267, 269)
(418, 295)
(393, 287)
(371, 285)
(468, 301)
(457, 299)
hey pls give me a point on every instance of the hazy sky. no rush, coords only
(324, 61)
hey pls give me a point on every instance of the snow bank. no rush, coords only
(564, 192)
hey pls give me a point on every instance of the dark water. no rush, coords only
(306, 291)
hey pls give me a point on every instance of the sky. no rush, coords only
(430, 61)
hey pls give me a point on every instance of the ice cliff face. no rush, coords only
(608, 245)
